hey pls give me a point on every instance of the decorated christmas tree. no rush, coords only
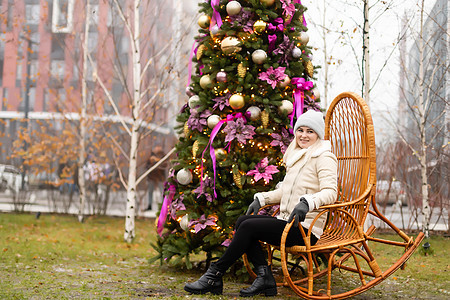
(251, 78)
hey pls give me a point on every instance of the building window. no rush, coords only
(34, 67)
(19, 68)
(45, 100)
(5, 99)
(2, 57)
(58, 45)
(32, 13)
(94, 15)
(57, 69)
(9, 16)
(31, 98)
(62, 19)
(92, 41)
(35, 41)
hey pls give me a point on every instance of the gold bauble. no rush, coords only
(285, 82)
(220, 153)
(237, 178)
(230, 45)
(206, 82)
(265, 118)
(204, 21)
(309, 68)
(267, 2)
(201, 49)
(242, 70)
(186, 130)
(259, 26)
(195, 148)
(237, 101)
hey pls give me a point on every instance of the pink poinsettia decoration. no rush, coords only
(263, 170)
(239, 130)
(283, 140)
(202, 223)
(273, 76)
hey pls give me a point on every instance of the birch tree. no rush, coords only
(83, 115)
(145, 84)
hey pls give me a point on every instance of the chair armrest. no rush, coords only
(362, 197)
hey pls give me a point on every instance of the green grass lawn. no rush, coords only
(56, 257)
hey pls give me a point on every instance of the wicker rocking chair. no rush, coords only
(344, 244)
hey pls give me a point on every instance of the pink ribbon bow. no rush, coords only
(299, 97)
(216, 18)
(276, 25)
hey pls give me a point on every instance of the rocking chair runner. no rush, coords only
(349, 127)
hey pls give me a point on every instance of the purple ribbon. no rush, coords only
(272, 41)
(299, 97)
(214, 132)
(165, 209)
(216, 18)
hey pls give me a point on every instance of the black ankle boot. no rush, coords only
(264, 283)
(211, 281)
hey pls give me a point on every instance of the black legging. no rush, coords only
(249, 230)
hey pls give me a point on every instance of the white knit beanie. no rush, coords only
(312, 119)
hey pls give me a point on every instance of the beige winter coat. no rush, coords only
(310, 173)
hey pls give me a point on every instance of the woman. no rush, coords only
(310, 182)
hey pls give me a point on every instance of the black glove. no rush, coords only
(253, 207)
(299, 212)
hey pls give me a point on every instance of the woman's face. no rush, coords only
(305, 137)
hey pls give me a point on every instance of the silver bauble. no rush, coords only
(255, 112)
(214, 30)
(213, 120)
(304, 38)
(184, 222)
(286, 107)
(296, 52)
(189, 91)
(184, 176)
(221, 76)
(259, 56)
(233, 8)
(194, 101)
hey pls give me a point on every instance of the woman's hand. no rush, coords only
(299, 212)
(254, 207)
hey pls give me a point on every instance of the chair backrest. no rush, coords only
(349, 127)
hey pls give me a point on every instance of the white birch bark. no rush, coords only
(131, 189)
(366, 57)
(325, 55)
(83, 126)
(422, 123)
